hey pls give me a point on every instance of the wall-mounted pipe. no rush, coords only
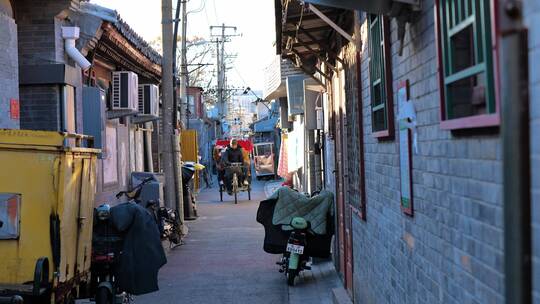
(70, 34)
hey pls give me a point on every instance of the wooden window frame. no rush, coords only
(386, 68)
(491, 119)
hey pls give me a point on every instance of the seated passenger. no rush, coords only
(234, 154)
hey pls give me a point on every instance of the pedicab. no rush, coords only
(46, 204)
(263, 156)
(235, 170)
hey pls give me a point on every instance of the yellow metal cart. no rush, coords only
(47, 188)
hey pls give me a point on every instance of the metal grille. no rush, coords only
(141, 99)
(116, 91)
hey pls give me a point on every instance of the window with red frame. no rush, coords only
(380, 81)
(468, 97)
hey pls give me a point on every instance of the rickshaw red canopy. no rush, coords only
(246, 144)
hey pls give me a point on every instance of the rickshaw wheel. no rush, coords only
(235, 188)
(69, 299)
(220, 193)
(103, 296)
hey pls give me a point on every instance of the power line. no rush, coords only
(215, 10)
(221, 64)
(198, 10)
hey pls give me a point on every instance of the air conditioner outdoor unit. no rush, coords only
(124, 91)
(148, 99)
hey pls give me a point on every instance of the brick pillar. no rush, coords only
(40, 43)
(9, 70)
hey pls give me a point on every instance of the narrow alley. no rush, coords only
(293, 151)
(223, 262)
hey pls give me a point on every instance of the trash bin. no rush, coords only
(190, 211)
(47, 189)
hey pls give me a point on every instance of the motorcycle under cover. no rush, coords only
(142, 252)
(275, 238)
(315, 209)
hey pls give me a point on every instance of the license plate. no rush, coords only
(295, 248)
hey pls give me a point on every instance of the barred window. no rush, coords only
(380, 77)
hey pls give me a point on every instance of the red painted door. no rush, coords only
(343, 211)
(340, 206)
(347, 218)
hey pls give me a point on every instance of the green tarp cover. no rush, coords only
(291, 203)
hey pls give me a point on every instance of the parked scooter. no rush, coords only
(108, 242)
(296, 234)
(106, 249)
(294, 259)
(167, 219)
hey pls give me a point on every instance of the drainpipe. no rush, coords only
(70, 34)
(516, 154)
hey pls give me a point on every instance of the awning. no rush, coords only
(373, 7)
(305, 38)
(267, 124)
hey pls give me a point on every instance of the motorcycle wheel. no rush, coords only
(291, 275)
(103, 296)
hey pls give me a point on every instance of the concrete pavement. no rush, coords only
(223, 261)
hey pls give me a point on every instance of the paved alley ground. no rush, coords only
(222, 260)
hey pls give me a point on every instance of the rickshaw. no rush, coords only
(237, 186)
(263, 156)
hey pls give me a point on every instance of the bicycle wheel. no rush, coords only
(220, 193)
(103, 296)
(235, 188)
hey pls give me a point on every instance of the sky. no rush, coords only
(254, 20)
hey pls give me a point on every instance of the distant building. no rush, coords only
(242, 112)
(205, 124)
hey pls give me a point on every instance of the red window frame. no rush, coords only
(476, 121)
(387, 134)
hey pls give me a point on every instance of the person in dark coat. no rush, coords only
(234, 154)
(142, 252)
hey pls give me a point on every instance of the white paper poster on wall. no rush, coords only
(132, 151)
(110, 160)
(296, 146)
(10, 206)
(407, 140)
(139, 158)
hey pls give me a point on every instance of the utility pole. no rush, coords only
(176, 108)
(167, 96)
(183, 65)
(221, 39)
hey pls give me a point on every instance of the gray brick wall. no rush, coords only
(532, 21)
(9, 70)
(40, 108)
(39, 23)
(40, 43)
(451, 251)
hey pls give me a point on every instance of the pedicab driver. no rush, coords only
(234, 154)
